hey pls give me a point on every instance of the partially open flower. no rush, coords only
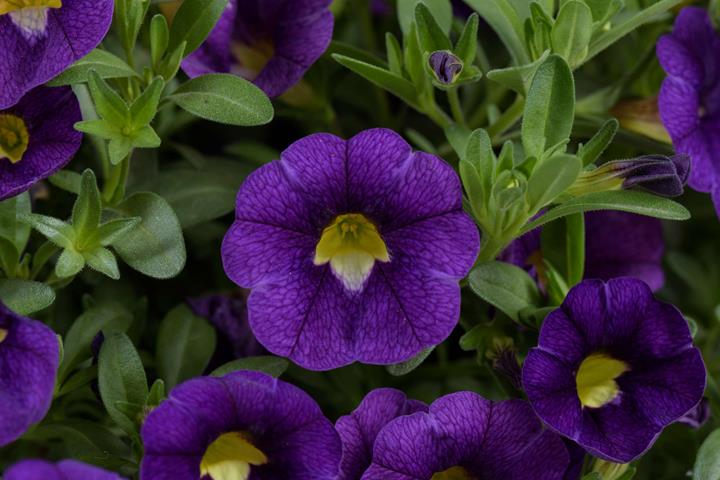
(613, 367)
(240, 426)
(41, 38)
(270, 43)
(445, 66)
(29, 356)
(37, 138)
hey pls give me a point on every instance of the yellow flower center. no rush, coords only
(252, 58)
(3, 334)
(230, 456)
(7, 6)
(453, 473)
(595, 379)
(351, 244)
(14, 137)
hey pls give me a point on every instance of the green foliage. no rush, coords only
(505, 286)
(274, 366)
(707, 464)
(193, 22)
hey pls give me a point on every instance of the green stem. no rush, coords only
(114, 188)
(508, 118)
(455, 106)
(434, 113)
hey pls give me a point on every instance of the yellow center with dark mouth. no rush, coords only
(351, 244)
(7, 6)
(252, 58)
(454, 473)
(14, 137)
(230, 457)
(595, 379)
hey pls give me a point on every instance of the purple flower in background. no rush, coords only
(63, 470)
(37, 138)
(698, 416)
(359, 429)
(689, 100)
(353, 250)
(464, 436)
(617, 244)
(228, 314)
(29, 357)
(270, 42)
(243, 425)
(613, 367)
(41, 38)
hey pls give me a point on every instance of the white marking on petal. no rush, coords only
(352, 268)
(32, 21)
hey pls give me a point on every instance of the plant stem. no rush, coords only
(114, 188)
(508, 118)
(455, 106)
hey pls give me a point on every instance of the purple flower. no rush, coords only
(63, 470)
(37, 138)
(359, 429)
(698, 416)
(41, 38)
(353, 250)
(466, 436)
(229, 316)
(243, 424)
(270, 42)
(29, 357)
(689, 100)
(613, 367)
(617, 244)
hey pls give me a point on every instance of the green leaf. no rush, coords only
(479, 153)
(24, 296)
(67, 180)
(619, 30)
(603, 9)
(103, 260)
(69, 263)
(128, 18)
(431, 35)
(108, 103)
(592, 150)
(505, 286)
(415, 67)
(572, 31)
(157, 394)
(88, 206)
(108, 317)
(121, 378)
(155, 246)
(550, 107)
(466, 46)
(111, 231)
(185, 344)
(159, 39)
(104, 63)
(504, 19)
(145, 107)
(394, 54)
(623, 200)
(408, 366)
(60, 233)
(550, 179)
(385, 79)
(10, 227)
(194, 21)
(224, 98)
(441, 10)
(707, 463)
(274, 366)
(575, 248)
(593, 476)
(9, 257)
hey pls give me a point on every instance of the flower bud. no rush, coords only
(698, 416)
(445, 66)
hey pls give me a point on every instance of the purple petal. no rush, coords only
(64, 470)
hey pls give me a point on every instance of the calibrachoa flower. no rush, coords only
(690, 96)
(243, 425)
(29, 357)
(617, 244)
(613, 367)
(359, 429)
(229, 316)
(353, 250)
(40, 38)
(64, 470)
(37, 138)
(464, 436)
(270, 43)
